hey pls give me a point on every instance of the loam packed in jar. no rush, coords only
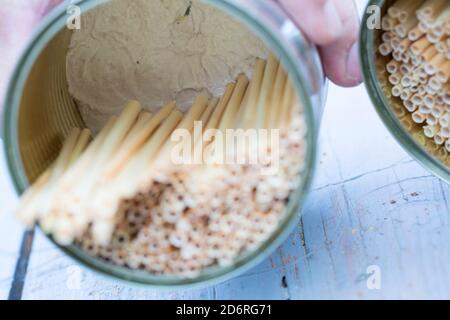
(413, 66)
(127, 189)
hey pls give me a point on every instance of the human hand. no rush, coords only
(332, 25)
(18, 20)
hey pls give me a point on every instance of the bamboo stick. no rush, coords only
(216, 117)
(73, 147)
(287, 104)
(206, 116)
(134, 168)
(106, 200)
(194, 114)
(26, 211)
(444, 121)
(277, 98)
(82, 143)
(61, 164)
(387, 36)
(64, 157)
(118, 133)
(85, 160)
(228, 120)
(128, 182)
(394, 79)
(415, 33)
(142, 134)
(443, 69)
(393, 66)
(142, 121)
(385, 49)
(265, 95)
(74, 203)
(430, 9)
(418, 117)
(198, 145)
(431, 67)
(396, 9)
(222, 105)
(84, 188)
(403, 29)
(249, 114)
(423, 26)
(388, 23)
(408, 11)
(420, 46)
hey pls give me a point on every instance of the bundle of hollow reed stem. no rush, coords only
(416, 38)
(123, 198)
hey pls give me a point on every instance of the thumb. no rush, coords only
(318, 19)
(18, 20)
(340, 58)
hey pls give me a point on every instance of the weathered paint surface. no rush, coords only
(10, 231)
(376, 225)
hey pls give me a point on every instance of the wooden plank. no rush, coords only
(367, 222)
(10, 231)
(371, 206)
(367, 208)
(366, 218)
(265, 281)
(349, 223)
(20, 271)
(53, 275)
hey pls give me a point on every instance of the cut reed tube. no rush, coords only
(205, 121)
(277, 97)
(111, 143)
(420, 80)
(128, 181)
(123, 199)
(237, 105)
(32, 206)
(229, 118)
(137, 140)
(195, 113)
(61, 165)
(253, 95)
(267, 85)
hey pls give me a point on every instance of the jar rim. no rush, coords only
(53, 23)
(382, 106)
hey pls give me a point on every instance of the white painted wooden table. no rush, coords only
(374, 217)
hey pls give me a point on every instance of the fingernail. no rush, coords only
(333, 20)
(353, 68)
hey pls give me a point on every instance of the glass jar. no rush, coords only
(39, 112)
(410, 136)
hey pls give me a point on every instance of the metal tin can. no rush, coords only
(434, 158)
(39, 112)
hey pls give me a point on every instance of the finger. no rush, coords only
(318, 19)
(340, 58)
(18, 20)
